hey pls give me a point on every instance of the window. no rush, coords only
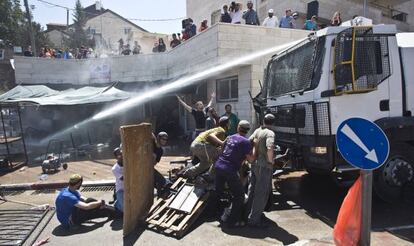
(227, 89)
(361, 60)
(127, 30)
(292, 71)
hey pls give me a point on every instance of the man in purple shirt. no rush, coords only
(237, 148)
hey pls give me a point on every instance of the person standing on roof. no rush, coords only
(287, 21)
(271, 20)
(225, 16)
(250, 16)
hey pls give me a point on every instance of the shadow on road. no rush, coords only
(272, 231)
(61, 231)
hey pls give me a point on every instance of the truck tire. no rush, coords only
(391, 179)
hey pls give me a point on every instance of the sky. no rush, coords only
(134, 9)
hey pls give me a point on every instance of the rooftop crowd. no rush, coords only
(232, 13)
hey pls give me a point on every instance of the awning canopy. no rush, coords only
(43, 95)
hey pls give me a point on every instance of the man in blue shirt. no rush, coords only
(311, 24)
(237, 148)
(287, 21)
(250, 16)
(73, 209)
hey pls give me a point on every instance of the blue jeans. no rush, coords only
(119, 203)
(236, 189)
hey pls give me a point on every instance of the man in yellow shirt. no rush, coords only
(205, 147)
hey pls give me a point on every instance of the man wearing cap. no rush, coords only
(73, 209)
(250, 16)
(205, 147)
(287, 21)
(262, 170)
(236, 149)
(271, 20)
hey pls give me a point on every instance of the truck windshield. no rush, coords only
(293, 71)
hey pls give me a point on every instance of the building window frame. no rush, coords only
(232, 84)
(127, 30)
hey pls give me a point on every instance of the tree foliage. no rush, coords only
(78, 36)
(14, 26)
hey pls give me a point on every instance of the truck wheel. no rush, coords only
(392, 178)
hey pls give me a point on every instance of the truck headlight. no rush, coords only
(319, 150)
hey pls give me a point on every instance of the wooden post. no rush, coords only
(137, 149)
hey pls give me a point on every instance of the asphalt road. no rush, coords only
(321, 198)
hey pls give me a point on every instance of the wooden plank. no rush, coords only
(137, 151)
(193, 216)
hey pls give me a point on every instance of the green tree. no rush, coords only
(14, 26)
(78, 36)
(11, 17)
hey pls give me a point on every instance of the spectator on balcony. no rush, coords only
(225, 16)
(250, 16)
(193, 27)
(137, 48)
(235, 13)
(336, 19)
(67, 54)
(161, 45)
(28, 52)
(186, 34)
(271, 20)
(311, 24)
(287, 21)
(126, 51)
(174, 42)
(155, 48)
(203, 26)
(121, 45)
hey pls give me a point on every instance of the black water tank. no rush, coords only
(313, 9)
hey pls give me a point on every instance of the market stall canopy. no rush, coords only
(43, 95)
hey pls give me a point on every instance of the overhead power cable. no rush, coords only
(97, 14)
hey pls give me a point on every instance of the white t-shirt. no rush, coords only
(271, 22)
(118, 172)
(236, 17)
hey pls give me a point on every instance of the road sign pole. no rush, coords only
(366, 207)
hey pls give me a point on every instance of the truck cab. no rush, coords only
(338, 73)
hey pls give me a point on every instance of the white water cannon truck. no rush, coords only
(335, 74)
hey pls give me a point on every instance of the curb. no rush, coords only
(55, 185)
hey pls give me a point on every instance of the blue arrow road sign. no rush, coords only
(362, 143)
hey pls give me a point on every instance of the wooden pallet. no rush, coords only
(170, 221)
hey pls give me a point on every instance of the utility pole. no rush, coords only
(365, 8)
(29, 19)
(67, 19)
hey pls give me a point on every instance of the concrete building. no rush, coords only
(107, 27)
(217, 45)
(398, 12)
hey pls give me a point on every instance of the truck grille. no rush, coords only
(307, 118)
